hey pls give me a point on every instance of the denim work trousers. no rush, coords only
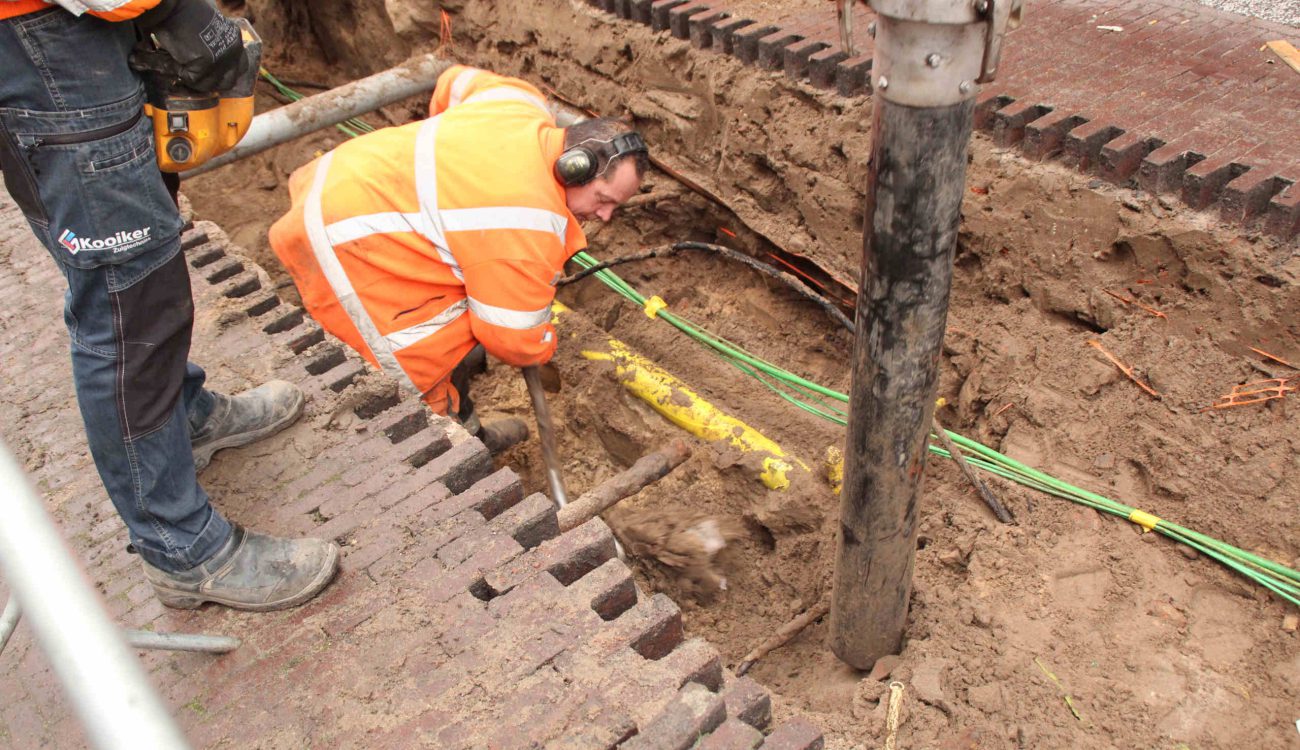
(78, 158)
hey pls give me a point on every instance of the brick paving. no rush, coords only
(461, 616)
(1181, 101)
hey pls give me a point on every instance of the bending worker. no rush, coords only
(417, 244)
(78, 159)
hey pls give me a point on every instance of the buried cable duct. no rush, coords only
(669, 396)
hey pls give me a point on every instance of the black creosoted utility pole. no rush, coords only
(929, 56)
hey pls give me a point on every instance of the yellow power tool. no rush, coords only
(191, 127)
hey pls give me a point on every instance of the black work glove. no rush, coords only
(206, 45)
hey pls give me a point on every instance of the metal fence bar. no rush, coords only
(9, 621)
(198, 642)
(103, 680)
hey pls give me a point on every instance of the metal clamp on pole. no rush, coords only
(1000, 16)
(931, 53)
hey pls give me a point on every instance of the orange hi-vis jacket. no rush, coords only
(109, 10)
(412, 243)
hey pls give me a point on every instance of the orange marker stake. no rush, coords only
(1273, 357)
(1135, 303)
(1123, 368)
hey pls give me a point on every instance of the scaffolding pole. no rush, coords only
(103, 680)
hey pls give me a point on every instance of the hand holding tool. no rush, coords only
(193, 125)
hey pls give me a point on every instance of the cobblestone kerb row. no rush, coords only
(1182, 100)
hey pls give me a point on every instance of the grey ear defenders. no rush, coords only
(577, 165)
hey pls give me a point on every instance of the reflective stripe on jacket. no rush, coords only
(413, 242)
(109, 10)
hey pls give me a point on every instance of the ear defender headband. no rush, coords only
(577, 165)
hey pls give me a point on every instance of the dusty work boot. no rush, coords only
(248, 417)
(502, 434)
(251, 571)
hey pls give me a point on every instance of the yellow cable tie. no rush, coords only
(654, 305)
(1144, 519)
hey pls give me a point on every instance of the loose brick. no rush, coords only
(853, 76)
(288, 319)
(733, 734)
(566, 558)
(261, 303)
(1044, 136)
(489, 497)
(462, 465)
(609, 589)
(192, 239)
(408, 422)
(724, 34)
(771, 49)
(747, 701)
(223, 269)
(1246, 197)
(1162, 170)
(744, 43)
(1283, 216)
(700, 27)
(205, 254)
(241, 285)
(795, 58)
(822, 66)
(1121, 157)
(637, 10)
(659, 13)
(795, 735)
(988, 101)
(679, 17)
(324, 358)
(1203, 182)
(531, 522)
(1009, 122)
(605, 727)
(427, 447)
(660, 626)
(691, 714)
(1083, 144)
(696, 661)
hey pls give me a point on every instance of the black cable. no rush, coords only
(662, 252)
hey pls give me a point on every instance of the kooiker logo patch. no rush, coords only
(118, 242)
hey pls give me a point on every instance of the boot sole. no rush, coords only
(203, 455)
(178, 599)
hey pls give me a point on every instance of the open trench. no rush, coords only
(1154, 646)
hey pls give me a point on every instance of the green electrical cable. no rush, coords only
(352, 128)
(1272, 575)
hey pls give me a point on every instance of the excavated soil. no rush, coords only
(1153, 645)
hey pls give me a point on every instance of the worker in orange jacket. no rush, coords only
(422, 245)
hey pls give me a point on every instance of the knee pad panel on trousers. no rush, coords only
(153, 319)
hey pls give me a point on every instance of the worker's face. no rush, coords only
(598, 198)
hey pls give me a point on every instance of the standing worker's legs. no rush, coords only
(78, 159)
